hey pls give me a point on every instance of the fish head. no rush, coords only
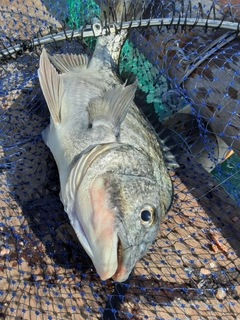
(119, 211)
(138, 212)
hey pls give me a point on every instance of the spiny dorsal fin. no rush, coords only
(69, 62)
(111, 108)
(170, 145)
(168, 140)
(52, 86)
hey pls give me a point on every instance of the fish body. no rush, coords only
(115, 186)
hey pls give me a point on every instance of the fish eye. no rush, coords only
(147, 216)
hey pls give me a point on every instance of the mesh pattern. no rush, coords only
(192, 269)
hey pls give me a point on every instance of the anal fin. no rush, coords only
(69, 62)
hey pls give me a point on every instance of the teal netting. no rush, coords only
(190, 77)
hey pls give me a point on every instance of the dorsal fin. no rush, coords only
(168, 140)
(52, 86)
(171, 146)
(111, 108)
(69, 62)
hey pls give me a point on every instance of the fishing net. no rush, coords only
(186, 56)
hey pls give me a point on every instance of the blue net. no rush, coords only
(188, 70)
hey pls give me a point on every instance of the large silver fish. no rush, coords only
(115, 186)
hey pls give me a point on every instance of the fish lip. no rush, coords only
(122, 271)
(119, 257)
(120, 253)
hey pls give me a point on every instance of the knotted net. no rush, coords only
(186, 56)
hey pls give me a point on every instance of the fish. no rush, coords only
(114, 181)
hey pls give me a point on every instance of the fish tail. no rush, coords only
(122, 10)
(108, 47)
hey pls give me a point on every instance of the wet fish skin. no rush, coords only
(109, 160)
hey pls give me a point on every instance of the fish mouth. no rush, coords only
(122, 272)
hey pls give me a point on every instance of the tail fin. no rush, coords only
(122, 10)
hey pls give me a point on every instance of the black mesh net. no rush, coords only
(186, 57)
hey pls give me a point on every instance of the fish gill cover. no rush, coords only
(186, 56)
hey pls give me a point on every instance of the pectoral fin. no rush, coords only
(52, 86)
(111, 108)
